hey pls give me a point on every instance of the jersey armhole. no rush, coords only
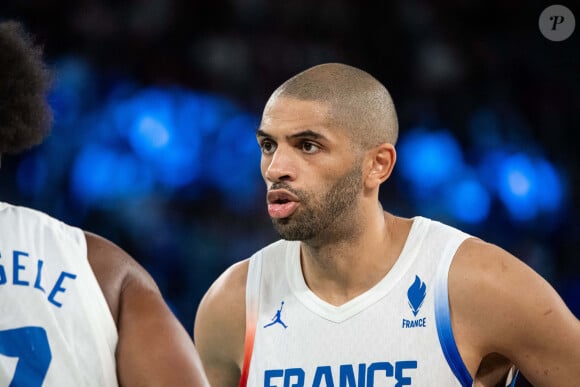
(252, 300)
(443, 322)
(443, 317)
(512, 377)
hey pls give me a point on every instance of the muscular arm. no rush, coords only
(153, 349)
(501, 306)
(220, 327)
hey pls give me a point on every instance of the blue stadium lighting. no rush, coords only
(518, 187)
(100, 173)
(488, 168)
(468, 200)
(551, 195)
(74, 77)
(172, 138)
(236, 160)
(153, 133)
(160, 126)
(32, 174)
(429, 159)
(526, 185)
(236, 149)
(145, 120)
(484, 128)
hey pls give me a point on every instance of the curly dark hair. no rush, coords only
(25, 115)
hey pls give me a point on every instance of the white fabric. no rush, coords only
(35, 251)
(374, 339)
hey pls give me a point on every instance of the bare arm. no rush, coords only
(153, 349)
(220, 327)
(501, 306)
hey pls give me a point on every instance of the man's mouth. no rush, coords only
(281, 203)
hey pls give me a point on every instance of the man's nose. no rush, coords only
(282, 167)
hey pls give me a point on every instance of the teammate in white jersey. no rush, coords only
(355, 296)
(75, 309)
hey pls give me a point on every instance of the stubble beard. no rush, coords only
(331, 216)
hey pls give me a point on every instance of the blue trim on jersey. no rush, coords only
(513, 383)
(445, 332)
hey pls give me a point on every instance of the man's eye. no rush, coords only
(268, 147)
(309, 147)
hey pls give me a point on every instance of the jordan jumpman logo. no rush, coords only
(277, 318)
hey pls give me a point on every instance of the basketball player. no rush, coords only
(355, 296)
(75, 309)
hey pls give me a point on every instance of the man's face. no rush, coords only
(311, 171)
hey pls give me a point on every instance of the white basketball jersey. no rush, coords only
(398, 333)
(55, 326)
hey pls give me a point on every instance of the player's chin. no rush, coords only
(281, 221)
(287, 231)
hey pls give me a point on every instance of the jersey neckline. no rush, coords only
(352, 307)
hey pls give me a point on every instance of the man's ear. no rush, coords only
(381, 161)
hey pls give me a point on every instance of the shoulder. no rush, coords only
(500, 305)
(29, 220)
(225, 300)
(219, 331)
(229, 289)
(485, 275)
(486, 281)
(224, 304)
(153, 346)
(115, 271)
(228, 285)
(25, 212)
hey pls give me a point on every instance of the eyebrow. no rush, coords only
(261, 133)
(303, 134)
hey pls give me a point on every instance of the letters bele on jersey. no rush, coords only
(22, 270)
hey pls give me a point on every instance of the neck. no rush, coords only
(342, 268)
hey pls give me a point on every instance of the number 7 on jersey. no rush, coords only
(30, 345)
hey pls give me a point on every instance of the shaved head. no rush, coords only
(357, 101)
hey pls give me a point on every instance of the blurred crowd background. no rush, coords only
(157, 101)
